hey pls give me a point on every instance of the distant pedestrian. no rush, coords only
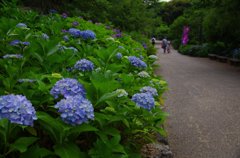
(168, 46)
(153, 40)
(164, 44)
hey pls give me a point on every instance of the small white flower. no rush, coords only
(143, 74)
(121, 93)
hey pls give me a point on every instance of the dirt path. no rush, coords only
(204, 106)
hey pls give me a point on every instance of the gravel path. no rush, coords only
(204, 106)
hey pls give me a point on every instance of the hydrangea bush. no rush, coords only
(69, 85)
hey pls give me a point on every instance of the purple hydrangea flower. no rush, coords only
(66, 38)
(75, 110)
(108, 27)
(17, 56)
(75, 23)
(144, 45)
(67, 87)
(64, 15)
(15, 42)
(84, 65)
(144, 100)
(137, 62)
(88, 34)
(64, 31)
(52, 11)
(45, 36)
(75, 32)
(148, 89)
(17, 109)
(119, 55)
(21, 25)
(25, 43)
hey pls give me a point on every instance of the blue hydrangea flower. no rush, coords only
(119, 55)
(17, 56)
(66, 38)
(45, 36)
(75, 32)
(148, 89)
(144, 100)
(52, 11)
(84, 65)
(67, 87)
(88, 34)
(75, 23)
(25, 43)
(144, 45)
(21, 25)
(75, 110)
(137, 62)
(15, 42)
(26, 80)
(17, 109)
(64, 15)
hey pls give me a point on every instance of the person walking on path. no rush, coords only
(164, 44)
(153, 40)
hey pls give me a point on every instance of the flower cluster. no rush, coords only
(75, 23)
(148, 89)
(64, 15)
(75, 32)
(17, 42)
(45, 36)
(143, 74)
(118, 33)
(144, 100)
(66, 38)
(119, 55)
(75, 110)
(144, 45)
(17, 56)
(52, 11)
(154, 57)
(88, 34)
(84, 65)
(17, 109)
(67, 87)
(26, 80)
(137, 62)
(121, 93)
(21, 25)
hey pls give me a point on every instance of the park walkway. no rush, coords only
(203, 102)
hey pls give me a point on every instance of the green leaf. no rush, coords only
(38, 57)
(22, 143)
(36, 152)
(75, 131)
(68, 150)
(54, 128)
(52, 51)
(106, 96)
